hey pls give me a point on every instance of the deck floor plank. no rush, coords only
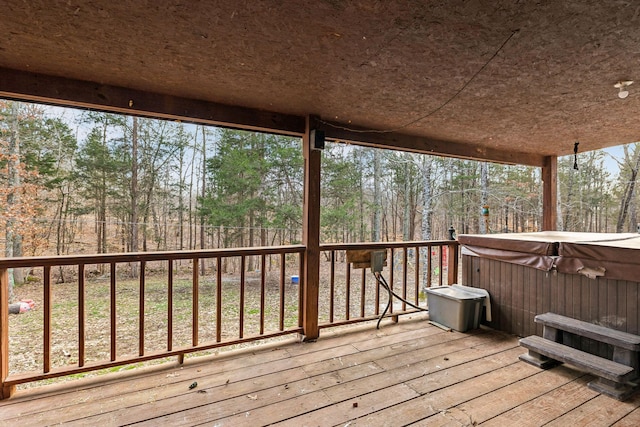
(599, 411)
(96, 389)
(351, 388)
(409, 373)
(321, 356)
(363, 404)
(431, 360)
(631, 420)
(502, 400)
(444, 388)
(360, 371)
(176, 384)
(546, 407)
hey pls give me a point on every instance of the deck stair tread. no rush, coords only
(588, 362)
(589, 330)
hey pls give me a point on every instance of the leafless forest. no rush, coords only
(90, 182)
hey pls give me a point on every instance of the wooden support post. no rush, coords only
(311, 235)
(452, 263)
(5, 390)
(550, 333)
(550, 194)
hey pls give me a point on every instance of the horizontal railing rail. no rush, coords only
(182, 302)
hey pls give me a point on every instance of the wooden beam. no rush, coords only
(32, 87)
(424, 145)
(550, 194)
(61, 91)
(311, 236)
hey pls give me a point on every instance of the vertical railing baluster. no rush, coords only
(391, 276)
(195, 302)
(440, 265)
(332, 286)
(301, 287)
(283, 272)
(112, 310)
(347, 302)
(429, 266)
(47, 320)
(219, 299)
(405, 271)
(363, 291)
(263, 279)
(170, 306)
(81, 314)
(377, 296)
(242, 276)
(417, 274)
(141, 309)
(6, 390)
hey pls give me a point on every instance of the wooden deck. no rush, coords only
(410, 373)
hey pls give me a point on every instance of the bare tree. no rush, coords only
(484, 198)
(377, 199)
(13, 196)
(633, 162)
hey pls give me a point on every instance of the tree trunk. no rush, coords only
(13, 197)
(203, 193)
(181, 185)
(633, 217)
(405, 205)
(568, 223)
(426, 167)
(560, 224)
(628, 191)
(102, 209)
(377, 202)
(134, 194)
(484, 198)
(192, 228)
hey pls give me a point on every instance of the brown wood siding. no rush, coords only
(519, 293)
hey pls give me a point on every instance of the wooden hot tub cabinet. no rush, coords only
(520, 292)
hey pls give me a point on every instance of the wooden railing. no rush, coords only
(410, 268)
(225, 305)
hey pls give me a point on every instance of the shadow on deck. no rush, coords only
(405, 373)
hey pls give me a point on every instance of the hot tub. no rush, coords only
(593, 277)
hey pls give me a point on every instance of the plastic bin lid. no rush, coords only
(454, 292)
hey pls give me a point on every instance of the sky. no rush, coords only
(613, 154)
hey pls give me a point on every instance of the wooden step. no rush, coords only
(603, 368)
(589, 330)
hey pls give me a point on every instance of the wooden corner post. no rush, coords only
(5, 390)
(311, 231)
(452, 263)
(550, 194)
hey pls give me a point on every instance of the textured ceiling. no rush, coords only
(523, 76)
